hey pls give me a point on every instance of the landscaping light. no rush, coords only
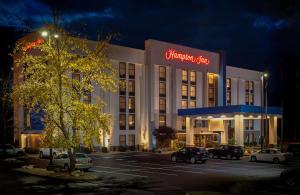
(56, 36)
(44, 34)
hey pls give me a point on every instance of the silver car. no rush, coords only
(269, 155)
(83, 162)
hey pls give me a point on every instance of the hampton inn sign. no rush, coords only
(172, 54)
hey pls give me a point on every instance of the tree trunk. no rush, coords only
(72, 160)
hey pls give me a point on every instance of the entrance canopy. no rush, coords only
(234, 109)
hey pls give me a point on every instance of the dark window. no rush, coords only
(131, 87)
(162, 120)
(122, 86)
(87, 97)
(131, 121)
(122, 121)
(131, 104)
(251, 124)
(183, 123)
(122, 70)
(131, 70)
(122, 140)
(162, 89)
(162, 73)
(162, 105)
(131, 140)
(122, 103)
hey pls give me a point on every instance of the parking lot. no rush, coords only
(215, 174)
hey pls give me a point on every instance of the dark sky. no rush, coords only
(255, 34)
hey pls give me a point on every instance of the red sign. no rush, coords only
(172, 54)
(33, 44)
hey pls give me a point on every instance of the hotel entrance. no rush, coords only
(206, 139)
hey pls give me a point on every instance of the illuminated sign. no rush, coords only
(33, 44)
(172, 54)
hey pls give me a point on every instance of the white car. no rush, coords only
(45, 152)
(269, 155)
(83, 162)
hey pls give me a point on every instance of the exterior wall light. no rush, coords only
(44, 33)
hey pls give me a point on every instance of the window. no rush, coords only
(162, 120)
(87, 97)
(251, 86)
(131, 104)
(122, 87)
(193, 77)
(184, 104)
(131, 140)
(184, 91)
(131, 70)
(122, 121)
(131, 87)
(76, 76)
(193, 92)
(162, 89)
(247, 86)
(162, 73)
(247, 98)
(122, 140)
(251, 99)
(251, 124)
(122, 103)
(162, 105)
(131, 121)
(184, 76)
(246, 121)
(249, 92)
(228, 91)
(192, 104)
(122, 70)
(183, 123)
(212, 90)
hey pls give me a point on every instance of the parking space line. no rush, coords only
(113, 172)
(153, 168)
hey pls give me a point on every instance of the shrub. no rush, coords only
(132, 148)
(104, 149)
(122, 148)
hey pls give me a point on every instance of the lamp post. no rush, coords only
(264, 102)
(47, 34)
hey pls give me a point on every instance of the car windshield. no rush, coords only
(80, 156)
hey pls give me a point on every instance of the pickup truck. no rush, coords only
(45, 152)
(11, 150)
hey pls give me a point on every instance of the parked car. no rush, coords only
(45, 152)
(83, 162)
(190, 154)
(228, 151)
(11, 150)
(294, 148)
(291, 177)
(269, 155)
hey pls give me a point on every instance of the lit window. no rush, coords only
(131, 87)
(162, 89)
(122, 140)
(184, 91)
(212, 90)
(193, 92)
(193, 77)
(184, 104)
(131, 70)
(131, 104)
(131, 139)
(192, 104)
(228, 83)
(122, 120)
(183, 123)
(184, 75)
(122, 70)
(131, 121)
(122, 104)
(162, 73)
(211, 79)
(162, 120)
(122, 86)
(162, 105)
(228, 91)
(251, 85)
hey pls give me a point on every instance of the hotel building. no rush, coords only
(193, 91)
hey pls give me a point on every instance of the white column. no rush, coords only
(239, 129)
(189, 131)
(273, 130)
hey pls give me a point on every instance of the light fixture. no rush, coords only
(56, 36)
(44, 33)
(266, 75)
(223, 116)
(209, 117)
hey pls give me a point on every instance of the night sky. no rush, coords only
(255, 34)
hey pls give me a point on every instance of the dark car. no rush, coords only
(190, 154)
(227, 151)
(291, 177)
(294, 148)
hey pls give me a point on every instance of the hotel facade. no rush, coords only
(166, 85)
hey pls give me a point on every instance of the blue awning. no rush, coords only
(245, 109)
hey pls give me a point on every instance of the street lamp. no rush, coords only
(264, 102)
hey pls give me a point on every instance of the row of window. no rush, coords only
(87, 96)
(212, 92)
(249, 92)
(184, 76)
(162, 96)
(249, 124)
(131, 121)
(131, 140)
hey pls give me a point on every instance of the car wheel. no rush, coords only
(211, 155)
(66, 167)
(192, 160)
(41, 155)
(253, 159)
(174, 159)
(229, 156)
(290, 181)
(276, 161)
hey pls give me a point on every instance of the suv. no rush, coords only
(190, 154)
(228, 151)
(11, 150)
(45, 152)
